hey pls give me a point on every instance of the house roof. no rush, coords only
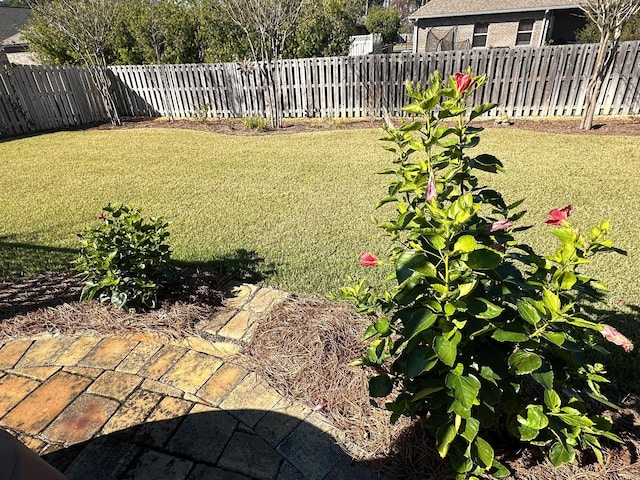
(11, 20)
(447, 8)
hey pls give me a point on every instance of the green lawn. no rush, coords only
(294, 210)
(297, 207)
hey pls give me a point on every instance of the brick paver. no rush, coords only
(251, 400)
(191, 371)
(45, 352)
(238, 326)
(13, 389)
(116, 385)
(81, 420)
(77, 351)
(163, 421)
(221, 383)
(203, 436)
(11, 352)
(161, 362)
(108, 353)
(36, 373)
(133, 411)
(251, 456)
(138, 357)
(45, 403)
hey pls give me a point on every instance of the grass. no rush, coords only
(294, 210)
(300, 205)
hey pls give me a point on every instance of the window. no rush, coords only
(525, 30)
(480, 31)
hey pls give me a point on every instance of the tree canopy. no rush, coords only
(193, 31)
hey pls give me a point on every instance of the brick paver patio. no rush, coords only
(141, 407)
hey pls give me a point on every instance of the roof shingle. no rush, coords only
(447, 8)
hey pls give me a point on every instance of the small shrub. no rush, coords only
(482, 339)
(254, 122)
(124, 260)
(201, 113)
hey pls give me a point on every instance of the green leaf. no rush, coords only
(567, 280)
(118, 299)
(484, 452)
(417, 360)
(523, 362)
(528, 312)
(484, 309)
(535, 419)
(414, 108)
(484, 259)
(465, 388)
(544, 378)
(382, 326)
(487, 163)
(574, 420)
(509, 336)
(446, 350)
(552, 400)
(471, 429)
(413, 261)
(561, 453)
(498, 470)
(444, 437)
(555, 337)
(527, 433)
(421, 320)
(466, 243)
(481, 109)
(551, 300)
(380, 386)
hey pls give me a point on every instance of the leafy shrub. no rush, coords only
(125, 259)
(482, 339)
(254, 122)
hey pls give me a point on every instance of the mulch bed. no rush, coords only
(629, 125)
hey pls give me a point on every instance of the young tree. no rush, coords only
(609, 16)
(82, 29)
(267, 25)
(385, 21)
(325, 28)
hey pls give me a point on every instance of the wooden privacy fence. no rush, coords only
(545, 81)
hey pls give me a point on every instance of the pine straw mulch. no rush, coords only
(303, 348)
(48, 303)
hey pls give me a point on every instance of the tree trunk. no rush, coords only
(606, 54)
(100, 76)
(271, 74)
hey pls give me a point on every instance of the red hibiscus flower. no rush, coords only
(463, 81)
(614, 336)
(368, 260)
(558, 215)
(102, 217)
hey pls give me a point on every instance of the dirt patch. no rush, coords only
(628, 125)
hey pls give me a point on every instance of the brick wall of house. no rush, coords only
(502, 32)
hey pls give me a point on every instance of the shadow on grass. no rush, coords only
(40, 276)
(234, 444)
(240, 265)
(22, 259)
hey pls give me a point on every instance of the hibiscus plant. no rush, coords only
(481, 338)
